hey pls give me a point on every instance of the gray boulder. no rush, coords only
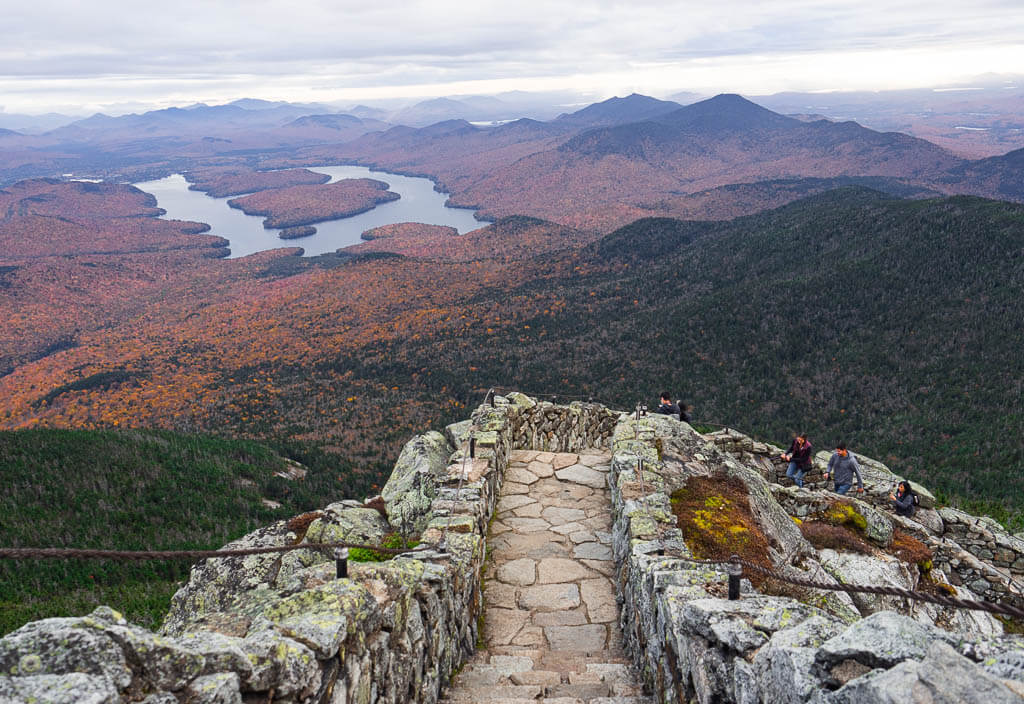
(343, 524)
(942, 676)
(413, 483)
(219, 688)
(874, 570)
(964, 622)
(457, 434)
(322, 617)
(71, 688)
(880, 640)
(785, 665)
(214, 584)
(61, 646)
(879, 527)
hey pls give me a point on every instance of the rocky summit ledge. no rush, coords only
(777, 643)
(589, 593)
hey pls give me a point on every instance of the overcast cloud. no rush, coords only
(83, 57)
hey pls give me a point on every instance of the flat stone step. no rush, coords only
(488, 694)
(585, 692)
(578, 661)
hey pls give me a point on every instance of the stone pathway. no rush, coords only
(551, 629)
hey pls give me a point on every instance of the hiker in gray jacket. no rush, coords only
(843, 466)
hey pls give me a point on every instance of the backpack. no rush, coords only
(683, 415)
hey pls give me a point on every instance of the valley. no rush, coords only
(777, 274)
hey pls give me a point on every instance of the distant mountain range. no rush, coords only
(627, 157)
(598, 167)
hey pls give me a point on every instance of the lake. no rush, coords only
(419, 202)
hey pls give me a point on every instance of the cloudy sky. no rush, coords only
(120, 55)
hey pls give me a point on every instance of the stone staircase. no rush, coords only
(551, 621)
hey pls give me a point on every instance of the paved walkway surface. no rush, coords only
(551, 629)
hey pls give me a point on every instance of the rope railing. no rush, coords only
(127, 555)
(955, 602)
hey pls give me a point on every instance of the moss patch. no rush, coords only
(842, 513)
(911, 550)
(822, 534)
(714, 516)
(391, 540)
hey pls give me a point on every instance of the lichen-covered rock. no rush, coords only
(965, 622)
(930, 520)
(214, 584)
(220, 653)
(282, 664)
(158, 663)
(942, 676)
(320, 618)
(877, 527)
(219, 688)
(71, 688)
(880, 640)
(61, 646)
(875, 570)
(343, 524)
(457, 434)
(837, 603)
(743, 625)
(784, 666)
(412, 486)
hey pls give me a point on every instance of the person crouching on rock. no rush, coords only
(903, 500)
(799, 458)
(667, 407)
(843, 466)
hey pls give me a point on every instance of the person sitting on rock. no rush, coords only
(843, 467)
(903, 500)
(667, 406)
(799, 458)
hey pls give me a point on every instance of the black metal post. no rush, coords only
(735, 571)
(341, 561)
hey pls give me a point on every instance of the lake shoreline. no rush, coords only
(420, 200)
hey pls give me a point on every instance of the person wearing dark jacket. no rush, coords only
(903, 500)
(799, 458)
(843, 467)
(667, 407)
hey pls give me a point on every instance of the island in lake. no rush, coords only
(294, 233)
(221, 182)
(304, 205)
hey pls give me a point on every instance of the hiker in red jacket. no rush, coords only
(799, 458)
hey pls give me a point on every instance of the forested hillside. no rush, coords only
(894, 325)
(134, 490)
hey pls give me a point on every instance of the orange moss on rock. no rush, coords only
(715, 518)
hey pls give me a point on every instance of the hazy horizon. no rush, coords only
(118, 57)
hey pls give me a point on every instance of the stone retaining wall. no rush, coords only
(550, 428)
